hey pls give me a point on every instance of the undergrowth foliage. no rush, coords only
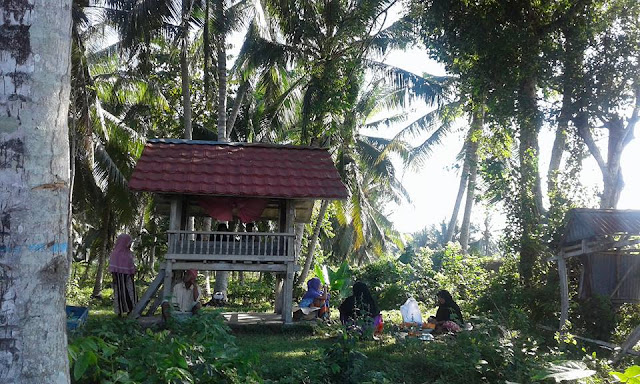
(199, 350)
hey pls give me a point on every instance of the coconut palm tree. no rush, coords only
(105, 101)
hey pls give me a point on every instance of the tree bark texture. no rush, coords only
(530, 193)
(619, 136)
(35, 46)
(222, 73)
(451, 228)
(184, 68)
(97, 286)
(242, 91)
(311, 248)
(222, 282)
(206, 43)
(558, 148)
(573, 57)
(472, 155)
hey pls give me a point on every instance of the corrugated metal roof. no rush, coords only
(237, 169)
(586, 223)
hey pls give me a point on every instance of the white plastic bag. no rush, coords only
(411, 312)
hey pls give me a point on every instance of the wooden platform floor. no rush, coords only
(231, 318)
(252, 318)
(248, 322)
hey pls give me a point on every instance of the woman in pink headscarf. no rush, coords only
(122, 269)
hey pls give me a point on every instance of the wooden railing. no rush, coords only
(225, 246)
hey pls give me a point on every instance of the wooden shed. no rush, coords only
(607, 242)
(246, 182)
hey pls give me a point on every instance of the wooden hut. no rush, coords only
(226, 181)
(607, 243)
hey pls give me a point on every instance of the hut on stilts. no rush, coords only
(233, 181)
(607, 242)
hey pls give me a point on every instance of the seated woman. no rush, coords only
(316, 299)
(361, 307)
(448, 317)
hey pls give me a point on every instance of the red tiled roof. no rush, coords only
(237, 169)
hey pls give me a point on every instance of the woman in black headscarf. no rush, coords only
(448, 317)
(361, 305)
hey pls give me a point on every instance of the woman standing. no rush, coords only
(123, 270)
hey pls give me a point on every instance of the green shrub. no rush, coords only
(251, 291)
(199, 350)
(593, 317)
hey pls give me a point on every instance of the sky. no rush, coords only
(433, 188)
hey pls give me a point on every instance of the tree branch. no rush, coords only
(635, 116)
(585, 134)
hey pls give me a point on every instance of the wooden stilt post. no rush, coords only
(278, 291)
(287, 297)
(175, 223)
(628, 344)
(564, 291)
(168, 277)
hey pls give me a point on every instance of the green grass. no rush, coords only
(291, 355)
(275, 356)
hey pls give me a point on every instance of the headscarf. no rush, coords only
(121, 259)
(358, 304)
(193, 274)
(364, 300)
(454, 309)
(313, 289)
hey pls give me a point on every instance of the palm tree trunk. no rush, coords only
(222, 282)
(472, 154)
(97, 287)
(222, 73)
(72, 176)
(207, 53)
(34, 190)
(451, 228)
(242, 91)
(311, 248)
(184, 69)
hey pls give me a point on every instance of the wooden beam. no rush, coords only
(588, 247)
(185, 265)
(168, 279)
(291, 228)
(287, 297)
(628, 344)
(236, 258)
(601, 343)
(156, 303)
(149, 293)
(564, 292)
